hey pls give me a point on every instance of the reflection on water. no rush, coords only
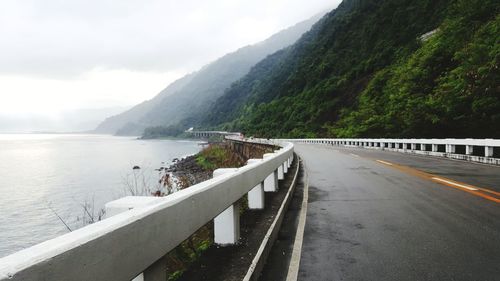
(39, 171)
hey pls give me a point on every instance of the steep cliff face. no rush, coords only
(191, 96)
(364, 70)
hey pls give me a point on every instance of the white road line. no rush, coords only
(383, 162)
(293, 269)
(355, 155)
(454, 183)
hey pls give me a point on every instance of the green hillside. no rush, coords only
(365, 70)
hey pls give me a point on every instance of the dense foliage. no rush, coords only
(160, 131)
(217, 156)
(365, 71)
(449, 87)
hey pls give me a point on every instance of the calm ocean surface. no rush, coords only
(60, 172)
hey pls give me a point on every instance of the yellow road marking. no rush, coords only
(453, 183)
(384, 162)
(478, 191)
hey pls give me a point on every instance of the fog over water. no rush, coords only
(64, 171)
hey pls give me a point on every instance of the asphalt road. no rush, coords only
(371, 220)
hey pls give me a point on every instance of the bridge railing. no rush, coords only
(134, 241)
(476, 150)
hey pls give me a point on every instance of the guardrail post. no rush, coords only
(281, 174)
(434, 147)
(256, 195)
(422, 147)
(227, 223)
(469, 149)
(450, 148)
(488, 151)
(271, 182)
(285, 167)
(227, 226)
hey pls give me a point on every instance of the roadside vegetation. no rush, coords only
(173, 131)
(449, 86)
(217, 156)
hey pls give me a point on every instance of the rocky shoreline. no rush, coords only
(187, 170)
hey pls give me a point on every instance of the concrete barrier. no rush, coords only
(447, 148)
(227, 223)
(271, 181)
(256, 195)
(134, 241)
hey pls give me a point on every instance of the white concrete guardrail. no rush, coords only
(142, 230)
(475, 150)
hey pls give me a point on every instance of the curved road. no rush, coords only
(378, 215)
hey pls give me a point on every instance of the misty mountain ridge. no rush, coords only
(189, 97)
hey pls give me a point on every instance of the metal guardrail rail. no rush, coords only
(475, 150)
(131, 242)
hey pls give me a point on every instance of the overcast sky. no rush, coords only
(58, 55)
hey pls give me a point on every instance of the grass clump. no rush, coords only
(217, 156)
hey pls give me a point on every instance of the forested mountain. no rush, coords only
(366, 70)
(192, 95)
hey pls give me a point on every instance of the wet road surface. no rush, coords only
(378, 215)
